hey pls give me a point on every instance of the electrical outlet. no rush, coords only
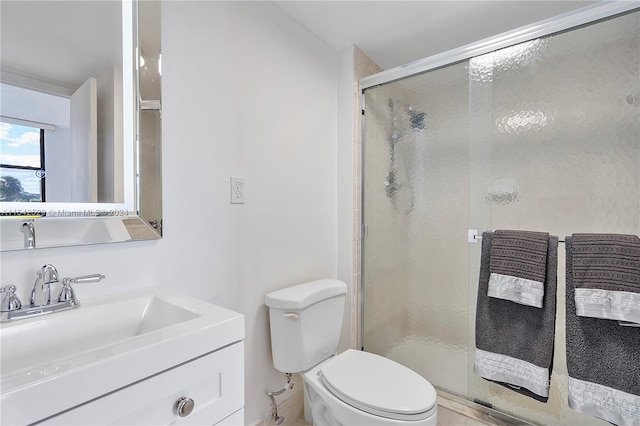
(237, 190)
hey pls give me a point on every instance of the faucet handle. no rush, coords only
(93, 278)
(66, 292)
(10, 301)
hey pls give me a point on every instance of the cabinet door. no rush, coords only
(215, 383)
(236, 419)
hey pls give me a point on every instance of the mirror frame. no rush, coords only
(71, 224)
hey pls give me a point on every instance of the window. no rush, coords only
(22, 167)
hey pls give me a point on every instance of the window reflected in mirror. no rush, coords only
(22, 166)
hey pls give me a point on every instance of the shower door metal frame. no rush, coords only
(582, 16)
(566, 21)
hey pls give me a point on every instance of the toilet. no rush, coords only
(350, 388)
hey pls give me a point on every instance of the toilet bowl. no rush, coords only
(353, 387)
(360, 388)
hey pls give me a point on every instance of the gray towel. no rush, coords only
(606, 276)
(520, 253)
(518, 266)
(606, 261)
(514, 342)
(603, 359)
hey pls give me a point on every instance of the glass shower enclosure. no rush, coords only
(539, 135)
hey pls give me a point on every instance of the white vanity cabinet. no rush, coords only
(214, 382)
(125, 358)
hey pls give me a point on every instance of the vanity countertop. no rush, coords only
(61, 360)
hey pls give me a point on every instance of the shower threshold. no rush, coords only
(477, 411)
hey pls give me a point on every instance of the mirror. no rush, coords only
(80, 123)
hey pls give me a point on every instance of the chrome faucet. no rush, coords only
(29, 231)
(9, 301)
(40, 301)
(68, 295)
(41, 293)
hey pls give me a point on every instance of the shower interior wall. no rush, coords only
(538, 136)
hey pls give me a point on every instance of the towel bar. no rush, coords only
(473, 237)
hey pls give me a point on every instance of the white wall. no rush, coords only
(83, 142)
(110, 167)
(246, 92)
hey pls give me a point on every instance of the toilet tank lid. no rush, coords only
(302, 295)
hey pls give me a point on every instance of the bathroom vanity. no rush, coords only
(146, 357)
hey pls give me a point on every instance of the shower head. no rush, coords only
(633, 98)
(416, 118)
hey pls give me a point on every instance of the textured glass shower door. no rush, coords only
(415, 206)
(542, 136)
(556, 148)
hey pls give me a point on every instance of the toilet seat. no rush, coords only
(378, 386)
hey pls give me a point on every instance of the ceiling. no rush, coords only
(39, 42)
(40, 39)
(394, 33)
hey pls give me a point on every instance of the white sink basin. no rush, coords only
(102, 346)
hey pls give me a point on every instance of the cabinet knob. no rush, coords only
(184, 406)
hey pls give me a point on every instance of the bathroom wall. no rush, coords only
(110, 169)
(246, 92)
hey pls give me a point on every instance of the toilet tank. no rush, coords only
(306, 322)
